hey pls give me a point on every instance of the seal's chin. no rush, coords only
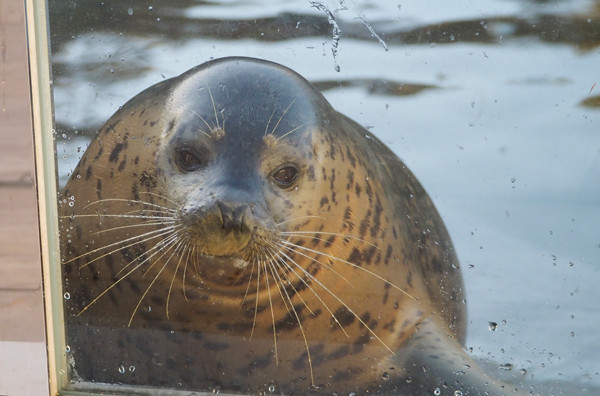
(223, 270)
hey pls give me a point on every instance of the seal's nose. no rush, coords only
(233, 216)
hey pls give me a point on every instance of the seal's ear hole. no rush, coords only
(187, 160)
(285, 176)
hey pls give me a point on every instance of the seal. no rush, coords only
(227, 229)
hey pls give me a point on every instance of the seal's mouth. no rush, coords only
(222, 270)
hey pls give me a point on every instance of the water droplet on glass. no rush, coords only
(385, 376)
(130, 11)
(492, 326)
(437, 391)
(67, 296)
(458, 393)
(122, 369)
(272, 388)
(150, 8)
(506, 366)
(131, 369)
(71, 204)
(523, 371)
(67, 349)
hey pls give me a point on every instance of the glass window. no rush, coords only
(236, 228)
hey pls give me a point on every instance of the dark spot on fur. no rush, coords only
(355, 257)
(386, 295)
(290, 322)
(170, 126)
(324, 201)
(122, 165)
(88, 172)
(351, 157)
(368, 254)
(376, 223)
(389, 326)
(99, 153)
(114, 154)
(360, 342)
(310, 173)
(388, 255)
(135, 192)
(147, 180)
(364, 224)
(369, 191)
(331, 240)
(344, 317)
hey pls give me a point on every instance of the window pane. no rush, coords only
(227, 230)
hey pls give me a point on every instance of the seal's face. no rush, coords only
(235, 159)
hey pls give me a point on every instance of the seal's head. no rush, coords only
(235, 154)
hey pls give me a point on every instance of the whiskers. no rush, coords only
(149, 234)
(283, 266)
(292, 274)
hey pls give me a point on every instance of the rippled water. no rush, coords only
(494, 105)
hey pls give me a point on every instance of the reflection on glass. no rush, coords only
(228, 230)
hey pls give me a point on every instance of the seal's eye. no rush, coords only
(285, 176)
(187, 160)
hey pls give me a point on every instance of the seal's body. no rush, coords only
(229, 229)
